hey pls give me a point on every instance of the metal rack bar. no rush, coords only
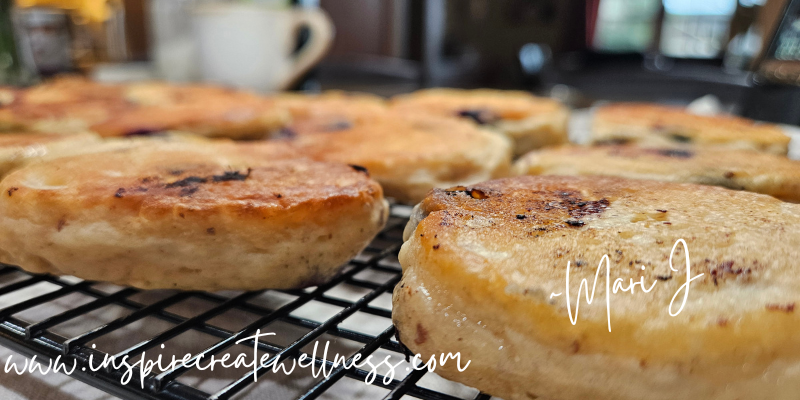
(240, 384)
(36, 329)
(120, 322)
(185, 325)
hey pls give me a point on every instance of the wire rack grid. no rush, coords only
(29, 325)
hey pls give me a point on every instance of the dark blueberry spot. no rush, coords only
(232, 176)
(286, 133)
(579, 209)
(663, 277)
(674, 153)
(211, 231)
(188, 191)
(613, 142)
(680, 138)
(572, 222)
(338, 126)
(359, 168)
(12, 190)
(662, 211)
(480, 116)
(520, 216)
(186, 182)
(787, 308)
(142, 132)
(120, 192)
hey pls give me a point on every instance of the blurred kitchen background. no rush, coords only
(745, 52)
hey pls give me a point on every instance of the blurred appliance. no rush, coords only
(781, 62)
(13, 71)
(55, 36)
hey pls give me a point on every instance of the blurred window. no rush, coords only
(625, 25)
(702, 7)
(695, 29)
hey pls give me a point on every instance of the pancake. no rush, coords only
(530, 122)
(20, 148)
(407, 154)
(330, 104)
(752, 171)
(654, 124)
(74, 104)
(189, 216)
(485, 274)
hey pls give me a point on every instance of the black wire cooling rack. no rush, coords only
(359, 295)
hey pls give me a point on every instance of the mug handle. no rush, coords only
(319, 41)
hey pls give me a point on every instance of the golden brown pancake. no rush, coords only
(19, 149)
(329, 104)
(485, 274)
(189, 216)
(653, 124)
(74, 104)
(530, 122)
(407, 154)
(752, 171)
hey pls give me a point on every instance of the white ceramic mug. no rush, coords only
(251, 46)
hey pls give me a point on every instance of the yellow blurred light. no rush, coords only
(92, 10)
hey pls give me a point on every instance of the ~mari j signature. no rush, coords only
(619, 285)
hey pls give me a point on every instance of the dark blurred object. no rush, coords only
(767, 21)
(57, 37)
(12, 69)
(479, 41)
(136, 29)
(44, 34)
(776, 90)
(649, 77)
(535, 60)
(377, 47)
(745, 36)
(367, 27)
(781, 61)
